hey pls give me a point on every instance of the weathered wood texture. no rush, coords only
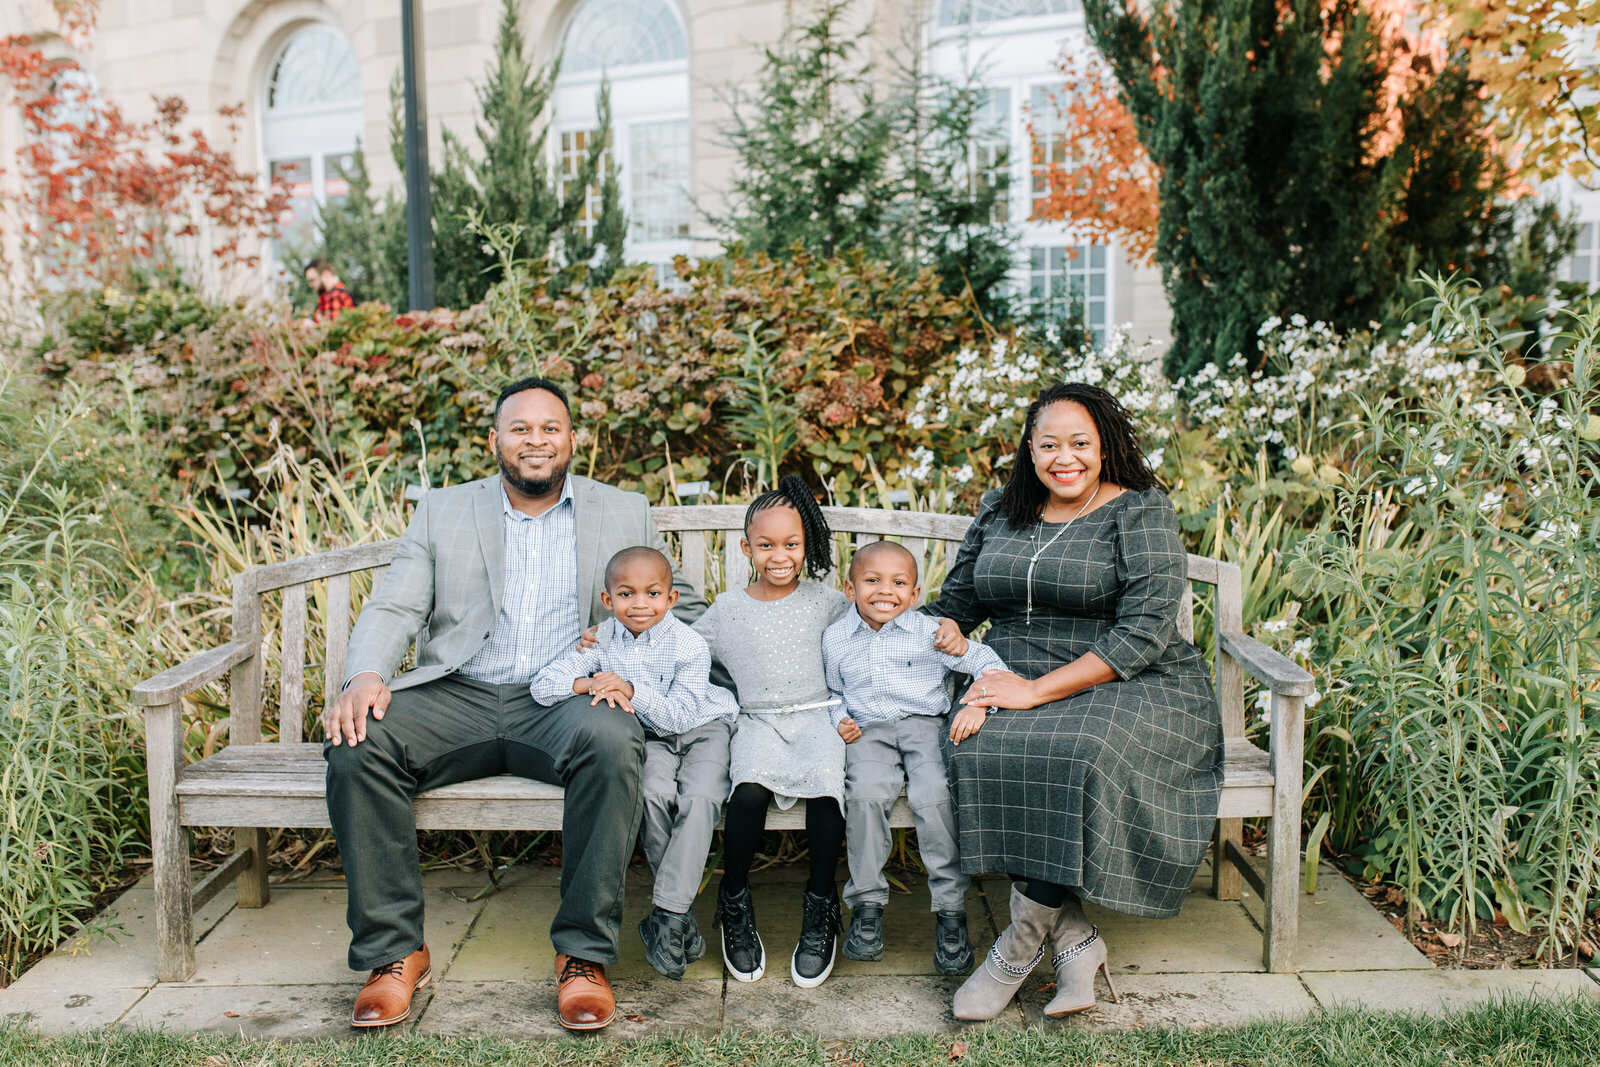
(252, 785)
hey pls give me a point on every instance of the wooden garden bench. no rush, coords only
(251, 785)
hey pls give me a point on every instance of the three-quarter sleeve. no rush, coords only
(1153, 576)
(958, 597)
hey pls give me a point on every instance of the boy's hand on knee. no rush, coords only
(613, 690)
(849, 731)
(967, 722)
(949, 639)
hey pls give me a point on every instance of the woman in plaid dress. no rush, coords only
(1097, 773)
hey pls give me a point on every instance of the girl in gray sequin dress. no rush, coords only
(769, 639)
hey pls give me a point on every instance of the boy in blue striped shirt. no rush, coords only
(653, 666)
(881, 663)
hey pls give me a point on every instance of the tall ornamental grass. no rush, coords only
(1460, 572)
(74, 626)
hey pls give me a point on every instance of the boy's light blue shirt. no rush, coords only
(668, 666)
(889, 673)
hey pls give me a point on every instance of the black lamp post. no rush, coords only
(419, 206)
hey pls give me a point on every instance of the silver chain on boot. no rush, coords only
(1019, 973)
(1067, 955)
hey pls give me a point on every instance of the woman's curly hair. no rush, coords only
(1122, 461)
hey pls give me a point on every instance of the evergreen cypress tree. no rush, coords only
(511, 182)
(828, 162)
(813, 146)
(365, 239)
(1262, 117)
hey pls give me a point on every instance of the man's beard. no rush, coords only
(534, 487)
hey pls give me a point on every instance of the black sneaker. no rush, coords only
(663, 932)
(865, 940)
(742, 950)
(819, 931)
(694, 946)
(952, 949)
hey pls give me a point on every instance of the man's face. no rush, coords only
(314, 279)
(533, 442)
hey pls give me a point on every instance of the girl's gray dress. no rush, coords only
(1112, 791)
(773, 652)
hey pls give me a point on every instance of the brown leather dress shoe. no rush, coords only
(386, 998)
(583, 996)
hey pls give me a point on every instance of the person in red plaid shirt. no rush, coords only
(332, 296)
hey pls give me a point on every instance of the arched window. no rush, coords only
(622, 33)
(311, 120)
(640, 48)
(959, 12)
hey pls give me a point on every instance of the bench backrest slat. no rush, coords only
(292, 686)
(931, 538)
(338, 627)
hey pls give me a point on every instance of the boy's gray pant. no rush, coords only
(888, 755)
(685, 784)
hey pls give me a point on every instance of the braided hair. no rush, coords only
(792, 492)
(1122, 461)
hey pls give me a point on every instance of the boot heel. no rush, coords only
(1105, 972)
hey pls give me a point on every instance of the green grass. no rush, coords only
(1521, 1033)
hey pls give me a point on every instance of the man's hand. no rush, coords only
(949, 639)
(344, 720)
(849, 731)
(966, 722)
(611, 688)
(590, 638)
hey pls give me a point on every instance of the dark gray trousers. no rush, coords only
(456, 729)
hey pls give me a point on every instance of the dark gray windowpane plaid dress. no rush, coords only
(1112, 791)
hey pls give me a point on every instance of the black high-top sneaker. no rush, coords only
(865, 939)
(819, 933)
(664, 933)
(742, 951)
(952, 949)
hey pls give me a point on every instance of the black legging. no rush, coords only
(1046, 893)
(745, 820)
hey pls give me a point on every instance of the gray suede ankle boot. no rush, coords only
(1019, 947)
(1079, 952)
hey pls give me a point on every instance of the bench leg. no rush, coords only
(1282, 906)
(169, 843)
(1225, 878)
(252, 885)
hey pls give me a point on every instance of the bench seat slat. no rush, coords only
(283, 785)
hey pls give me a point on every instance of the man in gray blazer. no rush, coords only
(492, 580)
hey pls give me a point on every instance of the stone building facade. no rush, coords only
(315, 77)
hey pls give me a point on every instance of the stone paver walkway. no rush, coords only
(279, 971)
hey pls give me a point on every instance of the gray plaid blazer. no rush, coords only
(449, 570)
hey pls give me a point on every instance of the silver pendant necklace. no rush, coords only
(1027, 617)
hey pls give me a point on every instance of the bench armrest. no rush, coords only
(175, 683)
(1272, 668)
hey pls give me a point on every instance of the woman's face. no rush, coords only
(1066, 453)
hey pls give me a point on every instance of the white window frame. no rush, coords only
(1020, 55)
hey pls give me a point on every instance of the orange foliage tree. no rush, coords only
(101, 196)
(1092, 170)
(1537, 59)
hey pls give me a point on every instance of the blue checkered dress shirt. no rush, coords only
(668, 666)
(886, 674)
(539, 608)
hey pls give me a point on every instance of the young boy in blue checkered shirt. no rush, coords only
(881, 663)
(651, 665)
